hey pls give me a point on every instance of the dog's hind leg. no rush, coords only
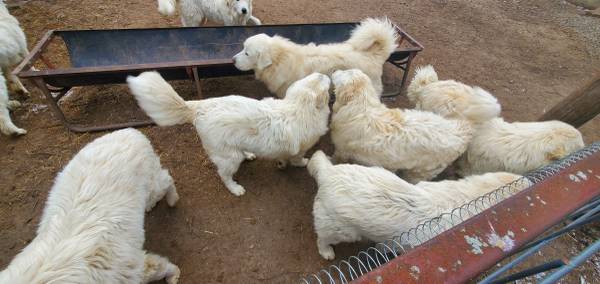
(227, 166)
(157, 268)
(14, 84)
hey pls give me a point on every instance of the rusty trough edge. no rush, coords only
(477, 244)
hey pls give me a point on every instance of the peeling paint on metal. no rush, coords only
(531, 204)
(505, 243)
(442, 270)
(379, 279)
(574, 178)
(523, 230)
(543, 202)
(528, 198)
(414, 272)
(476, 244)
(582, 175)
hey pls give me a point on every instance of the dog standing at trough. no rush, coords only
(13, 48)
(234, 128)
(278, 62)
(196, 12)
(92, 228)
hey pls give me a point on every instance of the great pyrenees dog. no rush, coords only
(92, 228)
(234, 128)
(13, 48)
(355, 202)
(363, 130)
(497, 145)
(195, 13)
(278, 62)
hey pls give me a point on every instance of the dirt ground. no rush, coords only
(530, 54)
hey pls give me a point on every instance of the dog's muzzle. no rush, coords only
(244, 11)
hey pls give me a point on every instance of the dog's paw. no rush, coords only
(327, 252)
(173, 279)
(249, 156)
(237, 190)
(13, 105)
(281, 164)
(301, 163)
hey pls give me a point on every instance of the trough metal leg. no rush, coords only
(197, 81)
(53, 103)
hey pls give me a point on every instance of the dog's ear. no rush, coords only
(229, 3)
(264, 59)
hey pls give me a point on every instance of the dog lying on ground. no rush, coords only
(92, 228)
(197, 12)
(497, 145)
(13, 48)
(363, 130)
(234, 128)
(278, 62)
(355, 202)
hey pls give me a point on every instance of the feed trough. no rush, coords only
(109, 56)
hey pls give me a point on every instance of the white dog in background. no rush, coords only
(420, 144)
(233, 128)
(13, 48)
(355, 202)
(278, 62)
(92, 228)
(196, 12)
(497, 145)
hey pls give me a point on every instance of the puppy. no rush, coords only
(13, 48)
(92, 228)
(278, 62)
(497, 145)
(420, 144)
(196, 12)
(7, 127)
(233, 128)
(355, 202)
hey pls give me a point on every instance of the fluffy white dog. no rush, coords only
(278, 62)
(196, 12)
(234, 127)
(355, 202)
(13, 48)
(497, 145)
(92, 228)
(7, 127)
(421, 144)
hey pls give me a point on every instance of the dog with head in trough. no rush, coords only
(234, 128)
(497, 145)
(355, 202)
(420, 144)
(195, 13)
(278, 62)
(92, 227)
(13, 48)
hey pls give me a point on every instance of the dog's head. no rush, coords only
(240, 7)
(311, 91)
(256, 55)
(352, 86)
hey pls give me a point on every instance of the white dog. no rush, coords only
(355, 202)
(497, 145)
(234, 127)
(13, 48)
(278, 62)
(196, 12)
(421, 144)
(92, 228)
(7, 127)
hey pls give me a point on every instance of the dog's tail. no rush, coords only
(375, 36)
(318, 163)
(424, 76)
(158, 99)
(483, 107)
(166, 7)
